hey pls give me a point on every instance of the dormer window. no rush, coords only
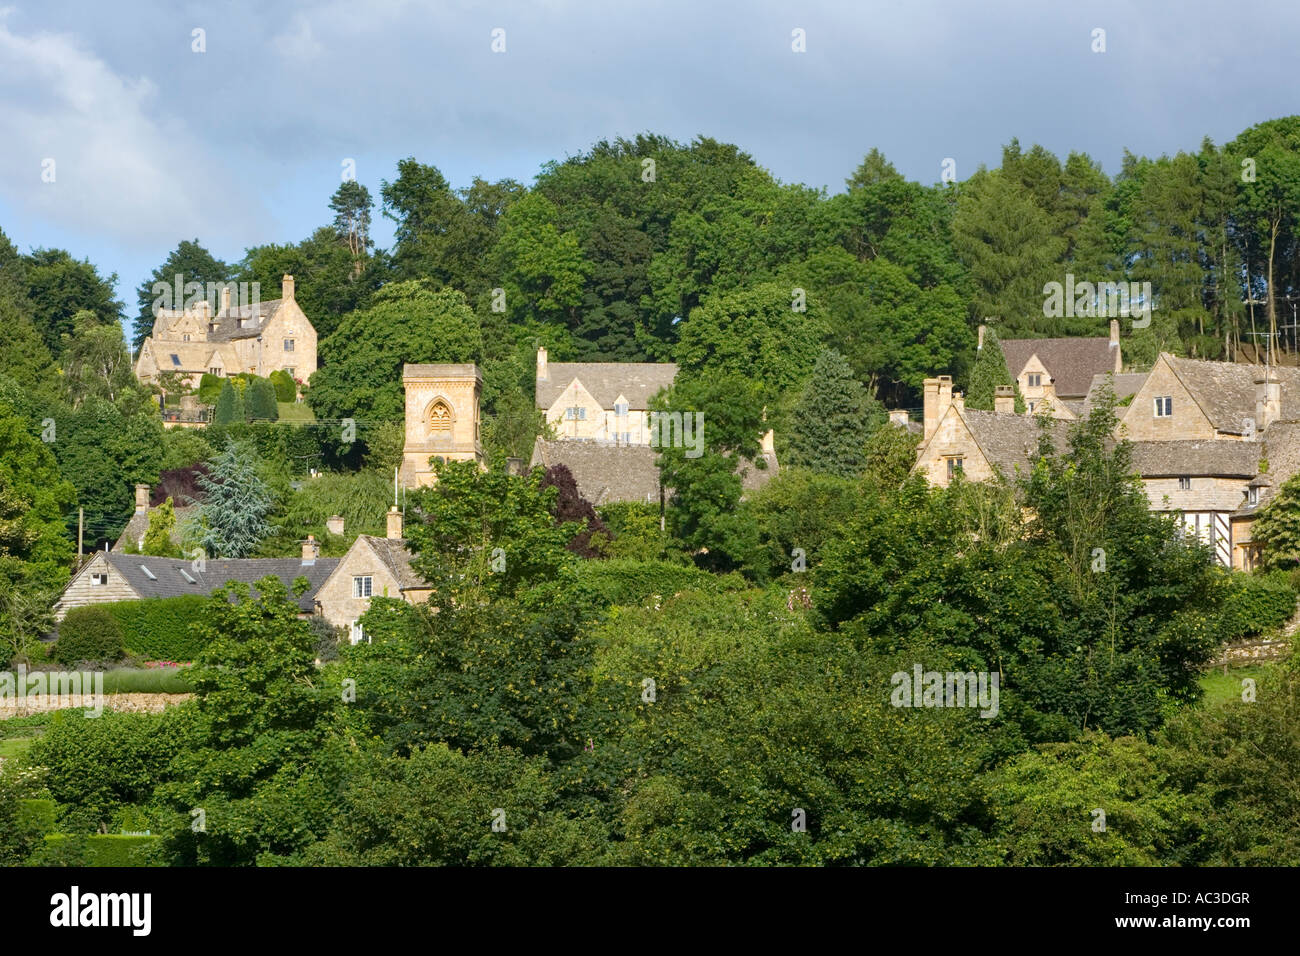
(1252, 496)
(620, 409)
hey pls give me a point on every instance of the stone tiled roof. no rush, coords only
(443, 370)
(228, 322)
(1208, 458)
(139, 524)
(1072, 363)
(638, 381)
(606, 472)
(396, 557)
(1124, 385)
(1009, 442)
(169, 574)
(1226, 390)
(1282, 449)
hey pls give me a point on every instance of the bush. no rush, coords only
(101, 849)
(153, 680)
(210, 388)
(286, 390)
(89, 634)
(624, 581)
(158, 629)
(1255, 604)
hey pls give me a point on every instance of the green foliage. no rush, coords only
(89, 634)
(105, 849)
(211, 387)
(162, 524)
(286, 390)
(59, 287)
(1255, 604)
(890, 456)
(194, 264)
(635, 532)
(230, 405)
(148, 680)
(799, 510)
(628, 581)
(160, 629)
(989, 371)
(23, 820)
(235, 505)
(261, 402)
(832, 420)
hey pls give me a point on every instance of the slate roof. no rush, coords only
(168, 581)
(638, 381)
(1207, 458)
(1226, 390)
(1009, 442)
(1071, 362)
(396, 557)
(1124, 385)
(1282, 449)
(607, 472)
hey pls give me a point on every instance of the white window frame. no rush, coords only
(288, 345)
(1035, 379)
(99, 579)
(363, 585)
(1163, 406)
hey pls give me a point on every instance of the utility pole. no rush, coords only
(81, 530)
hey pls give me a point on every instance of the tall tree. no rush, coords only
(833, 419)
(192, 263)
(59, 286)
(989, 371)
(351, 203)
(236, 502)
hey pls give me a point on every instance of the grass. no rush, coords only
(1221, 688)
(150, 680)
(15, 746)
(26, 726)
(294, 412)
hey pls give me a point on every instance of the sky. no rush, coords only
(242, 144)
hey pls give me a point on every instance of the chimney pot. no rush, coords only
(225, 299)
(980, 343)
(543, 372)
(898, 416)
(141, 499)
(334, 525)
(1004, 399)
(394, 524)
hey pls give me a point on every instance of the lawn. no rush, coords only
(295, 412)
(1221, 688)
(14, 746)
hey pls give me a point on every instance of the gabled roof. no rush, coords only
(1124, 385)
(169, 574)
(1072, 362)
(397, 559)
(1225, 391)
(1207, 458)
(606, 381)
(227, 323)
(139, 524)
(1009, 442)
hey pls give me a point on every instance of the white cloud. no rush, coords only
(299, 43)
(119, 167)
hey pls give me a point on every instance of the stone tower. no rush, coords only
(442, 418)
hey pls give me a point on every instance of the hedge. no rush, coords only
(89, 633)
(39, 814)
(111, 849)
(1255, 604)
(627, 581)
(286, 389)
(158, 629)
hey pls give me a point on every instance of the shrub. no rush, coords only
(624, 581)
(210, 388)
(286, 390)
(158, 629)
(1256, 603)
(161, 680)
(89, 634)
(100, 849)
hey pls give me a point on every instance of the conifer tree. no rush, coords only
(261, 400)
(158, 539)
(833, 419)
(230, 406)
(235, 505)
(990, 371)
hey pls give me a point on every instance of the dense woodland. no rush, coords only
(768, 627)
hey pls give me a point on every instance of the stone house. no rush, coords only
(260, 338)
(1060, 371)
(111, 576)
(608, 401)
(373, 567)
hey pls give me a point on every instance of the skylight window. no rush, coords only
(148, 574)
(176, 359)
(186, 575)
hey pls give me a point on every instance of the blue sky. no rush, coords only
(243, 144)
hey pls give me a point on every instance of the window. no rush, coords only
(288, 345)
(955, 466)
(1032, 406)
(1252, 496)
(215, 371)
(176, 359)
(185, 337)
(620, 409)
(1035, 379)
(1164, 406)
(1184, 484)
(289, 370)
(576, 413)
(186, 575)
(362, 586)
(99, 580)
(148, 574)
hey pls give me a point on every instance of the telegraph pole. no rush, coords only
(81, 529)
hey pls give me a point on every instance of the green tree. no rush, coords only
(192, 263)
(95, 360)
(833, 419)
(229, 409)
(236, 503)
(162, 525)
(351, 204)
(262, 401)
(989, 371)
(1277, 528)
(59, 286)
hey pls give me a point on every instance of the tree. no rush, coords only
(59, 286)
(95, 360)
(570, 506)
(875, 168)
(235, 504)
(833, 419)
(229, 409)
(262, 401)
(162, 525)
(192, 263)
(408, 322)
(542, 270)
(351, 204)
(1277, 529)
(989, 371)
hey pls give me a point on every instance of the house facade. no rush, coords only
(1058, 373)
(258, 338)
(601, 401)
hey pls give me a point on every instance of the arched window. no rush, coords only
(440, 421)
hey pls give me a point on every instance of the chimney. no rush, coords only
(898, 416)
(959, 399)
(543, 373)
(334, 524)
(141, 499)
(767, 445)
(1114, 343)
(938, 396)
(225, 300)
(1004, 399)
(394, 524)
(1268, 401)
(310, 550)
(286, 286)
(980, 344)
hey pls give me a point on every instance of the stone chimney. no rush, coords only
(1004, 399)
(938, 396)
(959, 400)
(225, 300)
(334, 524)
(310, 550)
(767, 444)
(286, 286)
(543, 372)
(980, 343)
(394, 524)
(141, 499)
(1114, 344)
(898, 417)
(1268, 400)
